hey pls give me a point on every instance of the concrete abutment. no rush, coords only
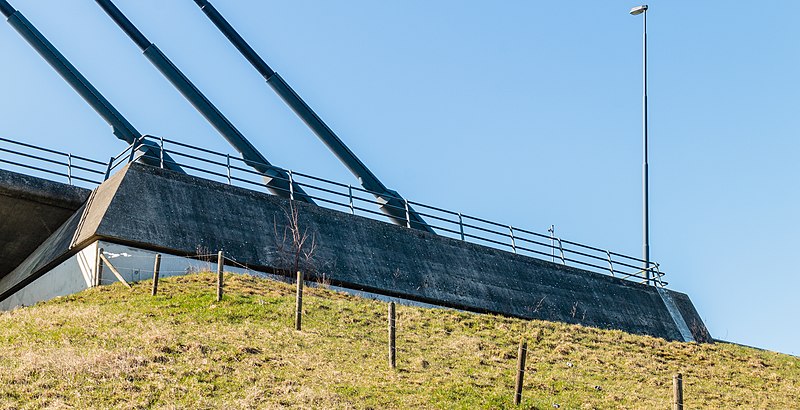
(155, 210)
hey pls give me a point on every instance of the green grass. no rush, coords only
(115, 347)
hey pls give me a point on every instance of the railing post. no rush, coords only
(228, 167)
(657, 278)
(610, 263)
(161, 151)
(69, 168)
(291, 186)
(511, 234)
(108, 170)
(652, 278)
(133, 149)
(350, 197)
(461, 225)
(649, 274)
(408, 214)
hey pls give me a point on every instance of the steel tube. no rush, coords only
(368, 180)
(206, 108)
(120, 126)
(645, 177)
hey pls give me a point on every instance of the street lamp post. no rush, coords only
(645, 209)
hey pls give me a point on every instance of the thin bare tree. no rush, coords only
(295, 244)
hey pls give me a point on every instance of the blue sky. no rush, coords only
(523, 112)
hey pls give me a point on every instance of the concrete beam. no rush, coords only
(31, 209)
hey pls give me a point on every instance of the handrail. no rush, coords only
(73, 168)
(452, 224)
(346, 198)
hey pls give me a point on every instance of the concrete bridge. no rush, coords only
(31, 209)
(178, 214)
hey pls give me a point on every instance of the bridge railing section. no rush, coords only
(47, 163)
(232, 170)
(355, 200)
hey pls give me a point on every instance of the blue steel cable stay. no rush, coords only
(392, 204)
(275, 179)
(121, 127)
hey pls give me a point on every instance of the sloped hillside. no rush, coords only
(112, 347)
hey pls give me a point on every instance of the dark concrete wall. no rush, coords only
(48, 255)
(161, 210)
(31, 209)
(692, 318)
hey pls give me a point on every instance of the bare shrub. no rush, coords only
(295, 245)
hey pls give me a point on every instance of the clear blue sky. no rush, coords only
(522, 112)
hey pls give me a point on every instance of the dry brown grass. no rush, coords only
(113, 347)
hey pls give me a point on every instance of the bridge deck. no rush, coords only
(31, 209)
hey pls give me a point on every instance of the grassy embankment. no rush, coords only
(114, 347)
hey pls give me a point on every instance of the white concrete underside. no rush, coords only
(77, 274)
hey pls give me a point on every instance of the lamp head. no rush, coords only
(638, 10)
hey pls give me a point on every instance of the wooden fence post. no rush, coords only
(156, 269)
(220, 279)
(677, 392)
(298, 311)
(98, 267)
(114, 271)
(521, 356)
(392, 336)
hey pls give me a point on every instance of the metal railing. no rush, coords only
(355, 200)
(74, 169)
